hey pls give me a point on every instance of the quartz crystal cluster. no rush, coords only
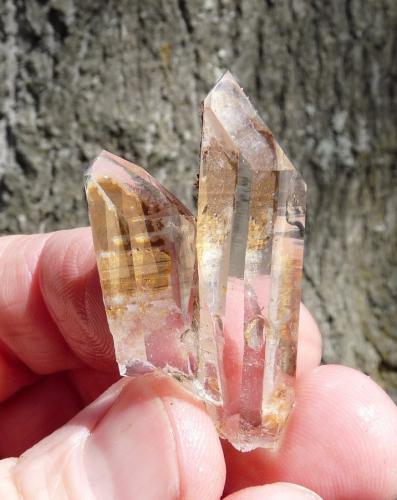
(214, 303)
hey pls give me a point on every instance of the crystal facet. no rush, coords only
(250, 225)
(218, 311)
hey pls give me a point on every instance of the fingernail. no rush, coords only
(302, 493)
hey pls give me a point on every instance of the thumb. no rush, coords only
(144, 438)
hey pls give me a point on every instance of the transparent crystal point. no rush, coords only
(250, 225)
(145, 246)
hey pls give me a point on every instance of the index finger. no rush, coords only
(51, 311)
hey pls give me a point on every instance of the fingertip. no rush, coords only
(26, 327)
(70, 287)
(155, 442)
(67, 253)
(200, 456)
(349, 424)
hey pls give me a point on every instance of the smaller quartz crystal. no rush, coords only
(145, 246)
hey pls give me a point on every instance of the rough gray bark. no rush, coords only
(129, 76)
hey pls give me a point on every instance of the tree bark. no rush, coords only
(129, 76)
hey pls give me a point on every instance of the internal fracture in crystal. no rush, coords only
(219, 310)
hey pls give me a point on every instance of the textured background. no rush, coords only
(129, 76)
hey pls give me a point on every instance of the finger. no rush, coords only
(341, 440)
(145, 438)
(42, 333)
(276, 491)
(70, 287)
(26, 327)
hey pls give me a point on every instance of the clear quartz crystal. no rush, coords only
(144, 240)
(219, 312)
(250, 227)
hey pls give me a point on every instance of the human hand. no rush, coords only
(146, 438)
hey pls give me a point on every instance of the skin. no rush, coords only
(71, 429)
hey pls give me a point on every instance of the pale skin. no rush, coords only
(71, 429)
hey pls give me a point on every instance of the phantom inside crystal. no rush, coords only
(217, 310)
